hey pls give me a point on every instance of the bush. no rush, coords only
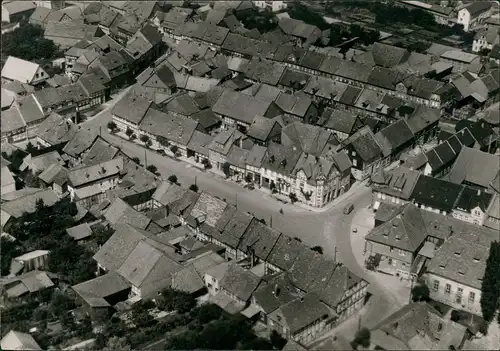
(293, 198)
(133, 137)
(174, 149)
(136, 160)
(173, 179)
(193, 187)
(277, 340)
(163, 141)
(248, 178)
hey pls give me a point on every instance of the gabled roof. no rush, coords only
(364, 143)
(388, 55)
(15, 340)
(240, 106)
(101, 151)
(122, 213)
(15, 7)
(281, 159)
(311, 271)
(435, 193)
(467, 164)
(405, 230)
(478, 7)
(259, 238)
(146, 265)
(87, 174)
(95, 291)
(338, 120)
(301, 312)
(19, 69)
(239, 282)
(308, 138)
(285, 252)
(178, 129)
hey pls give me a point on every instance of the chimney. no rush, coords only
(301, 299)
(276, 291)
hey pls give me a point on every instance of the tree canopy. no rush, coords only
(27, 42)
(490, 289)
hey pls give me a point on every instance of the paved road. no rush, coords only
(330, 229)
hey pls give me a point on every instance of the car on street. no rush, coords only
(348, 208)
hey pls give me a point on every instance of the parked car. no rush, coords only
(348, 209)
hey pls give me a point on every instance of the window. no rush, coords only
(354, 153)
(391, 249)
(435, 285)
(477, 213)
(401, 252)
(472, 297)
(354, 163)
(458, 296)
(447, 289)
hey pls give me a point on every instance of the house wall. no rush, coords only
(307, 334)
(440, 293)
(394, 261)
(273, 6)
(39, 77)
(39, 262)
(104, 185)
(211, 283)
(476, 216)
(353, 300)
(381, 197)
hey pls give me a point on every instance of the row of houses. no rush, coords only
(244, 265)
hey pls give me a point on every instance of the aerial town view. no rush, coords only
(250, 175)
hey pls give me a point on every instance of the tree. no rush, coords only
(152, 169)
(226, 168)
(145, 139)
(173, 179)
(456, 315)
(116, 343)
(176, 300)
(101, 234)
(10, 250)
(373, 262)
(30, 148)
(129, 132)
(206, 163)
(27, 42)
(31, 180)
(248, 178)
(277, 340)
(141, 316)
(193, 187)
(490, 288)
(206, 313)
(293, 198)
(163, 141)
(174, 149)
(318, 249)
(420, 293)
(112, 126)
(362, 337)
